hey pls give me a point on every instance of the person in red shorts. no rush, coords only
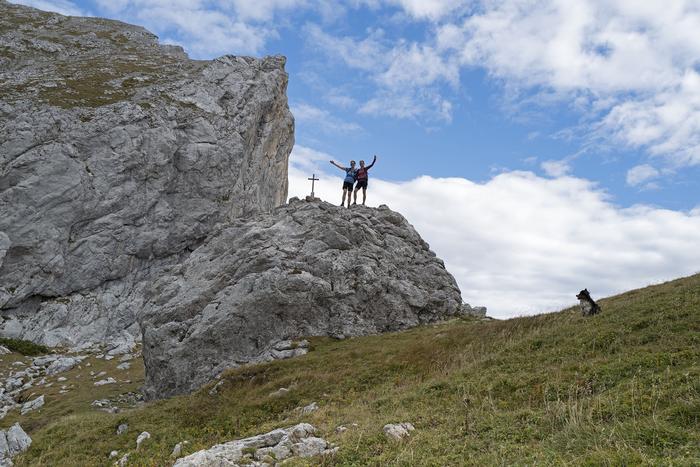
(362, 176)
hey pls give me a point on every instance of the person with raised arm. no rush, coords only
(362, 177)
(349, 181)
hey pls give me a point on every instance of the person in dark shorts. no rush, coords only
(362, 177)
(349, 181)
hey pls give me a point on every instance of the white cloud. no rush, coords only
(640, 174)
(406, 73)
(522, 244)
(632, 63)
(555, 168)
(264, 10)
(433, 10)
(322, 119)
(429, 9)
(64, 7)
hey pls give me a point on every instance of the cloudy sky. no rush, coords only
(540, 146)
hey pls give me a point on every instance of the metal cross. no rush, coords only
(313, 179)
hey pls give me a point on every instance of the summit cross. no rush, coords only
(313, 179)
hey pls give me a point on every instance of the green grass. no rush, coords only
(619, 388)
(24, 347)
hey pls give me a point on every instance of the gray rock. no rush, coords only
(280, 392)
(118, 155)
(398, 431)
(123, 428)
(124, 366)
(12, 442)
(63, 364)
(307, 410)
(102, 382)
(278, 444)
(142, 438)
(32, 405)
(306, 269)
(113, 454)
(177, 450)
(123, 461)
(44, 360)
(4, 350)
(13, 383)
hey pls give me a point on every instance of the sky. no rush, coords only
(539, 146)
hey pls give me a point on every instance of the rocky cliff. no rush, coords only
(117, 157)
(306, 269)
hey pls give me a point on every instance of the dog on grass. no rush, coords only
(588, 306)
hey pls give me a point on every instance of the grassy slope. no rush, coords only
(622, 387)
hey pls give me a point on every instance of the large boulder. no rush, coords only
(117, 157)
(307, 269)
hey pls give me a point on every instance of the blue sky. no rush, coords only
(561, 137)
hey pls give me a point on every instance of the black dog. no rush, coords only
(588, 306)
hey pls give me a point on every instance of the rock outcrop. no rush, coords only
(266, 450)
(307, 269)
(117, 157)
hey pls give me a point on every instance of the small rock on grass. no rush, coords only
(32, 405)
(398, 431)
(123, 428)
(280, 392)
(113, 454)
(123, 461)
(102, 382)
(142, 439)
(177, 450)
(124, 366)
(215, 390)
(312, 407)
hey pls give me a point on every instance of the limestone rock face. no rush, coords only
(117, 157)
(306, 269)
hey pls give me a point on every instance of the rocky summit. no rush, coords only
(307, 269)
(118, 155)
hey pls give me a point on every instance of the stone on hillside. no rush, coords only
(123, 461)
(306, 269)
(122, 347)
(276, 445)
(307, 410)
(123, 428)
(215, 390)
(12, 442)
(142, 439)
(44, 360)
(13, 383)
(118, 156)
(32, 405)
(102, 382)
(113, 454)
(124, 366)
(280, 392)
(177, 450)
(398, 431)
(4, 350)
(63, 364)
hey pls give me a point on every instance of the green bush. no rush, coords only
(24, 347)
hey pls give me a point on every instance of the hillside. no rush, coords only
(622, 387)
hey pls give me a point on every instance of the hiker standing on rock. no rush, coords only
(350, 173)
(362, 176)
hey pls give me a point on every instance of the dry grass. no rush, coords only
(620, 388)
